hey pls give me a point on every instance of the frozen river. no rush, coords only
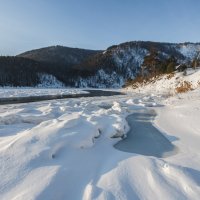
(143, 138)
(49, 96)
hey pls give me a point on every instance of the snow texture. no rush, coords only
(64, 149)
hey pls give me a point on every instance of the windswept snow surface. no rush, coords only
(63, 149)
(9, 92)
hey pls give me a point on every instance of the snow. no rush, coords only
(129, 60)
(167, 84)
(8, 92)
(102, 79)
(49, 81)
(64, 149)
(189, 50)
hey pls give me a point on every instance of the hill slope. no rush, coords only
(111, 68)
(59, 55)
(169, 84)
(119, 63)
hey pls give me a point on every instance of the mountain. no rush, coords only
(87, 68)
(59, 55)
(122, 62)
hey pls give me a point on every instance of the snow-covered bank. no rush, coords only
(169, 84)
(63, 149)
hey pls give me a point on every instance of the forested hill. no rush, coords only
(63, 66)
(59, 55)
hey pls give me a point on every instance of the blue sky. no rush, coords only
(95, 24)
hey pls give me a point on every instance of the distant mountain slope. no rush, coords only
(119, 63)
(87, 68)
(16, 71)
(59, 55)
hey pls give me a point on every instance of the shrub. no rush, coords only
(184, 87)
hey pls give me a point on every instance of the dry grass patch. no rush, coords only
(184, 87)
(169, 76)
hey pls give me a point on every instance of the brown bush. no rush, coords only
(184, 87)
(171, 75)
(133, 82)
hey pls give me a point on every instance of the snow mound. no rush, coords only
(46, 148)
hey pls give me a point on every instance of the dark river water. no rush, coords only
(91, 93)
